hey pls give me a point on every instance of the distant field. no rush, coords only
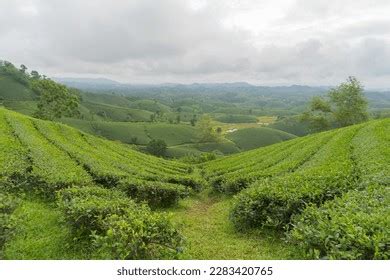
(255, 137)
(117, 113)
(172, 134)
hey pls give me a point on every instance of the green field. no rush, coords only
(251, 138)
(101, 198)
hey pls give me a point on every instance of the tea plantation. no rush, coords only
(65, 194)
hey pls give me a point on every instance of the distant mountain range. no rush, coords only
(107, 84)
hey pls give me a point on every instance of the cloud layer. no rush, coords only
(263, 42)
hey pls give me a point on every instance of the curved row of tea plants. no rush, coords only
(356, 225)
(271, 202)
(54, 156)
(280, 162)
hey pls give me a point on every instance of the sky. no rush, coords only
(264, 42)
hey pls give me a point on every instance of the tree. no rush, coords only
(344, 105)
(319, 115)
(134, 140)
(35, 75)
(178, 119)
(157, 147)
(206, 129)
(350, 105)
(23, 68)
(55, 100)
(193, 120)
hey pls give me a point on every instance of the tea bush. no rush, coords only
(156, 194)
(117, 226)
(355, 226)
(8, 204)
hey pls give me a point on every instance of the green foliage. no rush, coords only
(251, 138)
(51, 168)
(237, 173)
(55, 100)
(117, 227)
(86, 207)
(355, 226)
(349, 102)
(156, 194)
(194, 159)
(344, 105)
(8, 204)
(157, 147)
(319, 117)
(327, 174)
(207, 133)
(8, 69)
(13, 156)
(135, 236)
(229, 118)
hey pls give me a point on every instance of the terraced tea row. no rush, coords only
(350, 164)
(55, 156)
(286, 158)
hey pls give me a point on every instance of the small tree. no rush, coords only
(193, 120)
(35, 75)
(157, 147)
(206, 129)
(23, 68)
(134, 140)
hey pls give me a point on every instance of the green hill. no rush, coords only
(328, 193)
(10, 89)
(251, 138)
(172, 134)
(330, 172)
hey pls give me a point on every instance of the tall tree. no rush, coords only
(55, 100)
(349, 103)
(344, 105)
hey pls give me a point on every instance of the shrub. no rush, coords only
(117, 226)
(272, 202)
(156, 194)
(151, 236)
(86, 207)
(355, 226)
(8, 204)
(157, 147)
(193, 182)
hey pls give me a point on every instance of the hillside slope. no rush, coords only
(330, 172)
(300, 186)
(58, 156)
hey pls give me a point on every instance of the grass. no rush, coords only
(41, 234)
(204, 221)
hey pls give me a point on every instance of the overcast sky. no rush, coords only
(269, 42)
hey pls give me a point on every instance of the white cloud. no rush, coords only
(264, 42)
